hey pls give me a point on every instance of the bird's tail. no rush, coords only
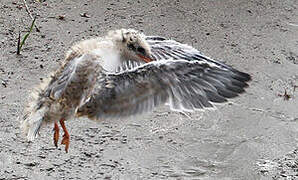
(32, 122)
(36, 112)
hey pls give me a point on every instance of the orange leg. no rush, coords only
(65, 139)
(56, 134)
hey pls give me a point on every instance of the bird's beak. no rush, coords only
(145, 58)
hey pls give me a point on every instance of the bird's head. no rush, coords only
(132, 45)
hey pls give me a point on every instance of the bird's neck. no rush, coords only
(106, 49)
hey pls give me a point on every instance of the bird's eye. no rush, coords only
(131, 47)
(141, 50)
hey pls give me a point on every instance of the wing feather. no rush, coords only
(164, 49)
(79, 73)
(186, 85)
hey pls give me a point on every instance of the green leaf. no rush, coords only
(27, 35)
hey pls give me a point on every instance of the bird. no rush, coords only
(125, 73)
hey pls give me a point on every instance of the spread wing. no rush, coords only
(186, 85)
(164, 49)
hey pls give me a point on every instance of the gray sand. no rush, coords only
(253, 137)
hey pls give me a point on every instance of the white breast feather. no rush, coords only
(110, 59)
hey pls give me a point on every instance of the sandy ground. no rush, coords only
(253, 137)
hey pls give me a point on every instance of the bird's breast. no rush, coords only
(110, 58)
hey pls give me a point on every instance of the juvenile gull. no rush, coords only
(127, 73)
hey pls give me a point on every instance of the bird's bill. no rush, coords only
(144, 58)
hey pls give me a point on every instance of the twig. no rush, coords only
(295, 86)
(29, 13)
(19, 43)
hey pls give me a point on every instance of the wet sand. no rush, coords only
(255, 136)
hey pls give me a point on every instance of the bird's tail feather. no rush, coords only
(35, 112)
(32, 123)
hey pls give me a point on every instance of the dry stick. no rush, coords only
(19, 43)
(28, 10)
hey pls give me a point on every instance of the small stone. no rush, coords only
(85, 15)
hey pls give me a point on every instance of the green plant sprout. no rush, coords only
(20, 44)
